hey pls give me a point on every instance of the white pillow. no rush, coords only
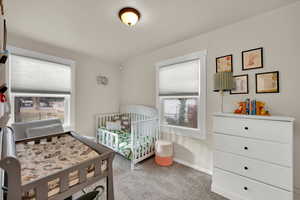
(113, 126)
(44, 130)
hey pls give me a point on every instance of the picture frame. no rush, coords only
(267, 82)
(224, 63)
(252, 59)
(241, 84)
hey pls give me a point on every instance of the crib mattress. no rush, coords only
(48, 157)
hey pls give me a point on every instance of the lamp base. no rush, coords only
(222, 97)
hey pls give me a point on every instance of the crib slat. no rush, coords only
(143, 133)
(148, 139)
(117, 143)
(82, 174)
(151, 137)
(98, 164)
(135, 141)
(42, 191)
(110, 140)
(102, 137)
(106, 138)
(132, 143)
(113, 141)
(64, 182)
(111, 144)
(139, 139)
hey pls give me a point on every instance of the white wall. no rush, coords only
(277, 31)
(90, 98)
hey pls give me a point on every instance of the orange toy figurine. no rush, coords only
(260, 107)
(241, 109)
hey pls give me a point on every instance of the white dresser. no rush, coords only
(253, 157)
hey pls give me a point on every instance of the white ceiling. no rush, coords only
(92, 26)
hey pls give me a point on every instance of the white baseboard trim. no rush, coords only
(207, 171)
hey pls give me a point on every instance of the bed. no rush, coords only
(53, 166)
(132, 132)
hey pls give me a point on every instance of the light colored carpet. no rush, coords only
(151, 182)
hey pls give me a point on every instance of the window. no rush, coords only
(30, 108)
(180, 111)
(40, 89)
(182, 93)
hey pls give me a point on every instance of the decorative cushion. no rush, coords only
(44, 130)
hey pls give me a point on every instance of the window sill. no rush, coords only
(183, 131)
(67, 128)
(180, 127)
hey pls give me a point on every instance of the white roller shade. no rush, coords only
(29, 75)
(179, 79)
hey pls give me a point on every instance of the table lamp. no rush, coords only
(223, 81)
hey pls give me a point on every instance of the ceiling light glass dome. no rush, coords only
(129, 16)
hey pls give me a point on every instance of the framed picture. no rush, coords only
(267, 82)
(241, 84)
(252, 59)
(224, 64)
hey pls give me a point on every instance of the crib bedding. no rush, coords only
(48, 157)
(124, 142)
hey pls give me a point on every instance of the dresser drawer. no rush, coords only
(268, 173)
(278, 131)
(266, 151)
(240, 188)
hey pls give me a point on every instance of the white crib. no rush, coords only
(142, 133)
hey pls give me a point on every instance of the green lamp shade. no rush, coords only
(223, 81)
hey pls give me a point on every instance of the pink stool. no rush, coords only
(164, 153)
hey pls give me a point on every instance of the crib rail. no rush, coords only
(65, 190)
(101, 119)
(109, 139)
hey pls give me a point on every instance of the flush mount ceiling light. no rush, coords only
(129, 16)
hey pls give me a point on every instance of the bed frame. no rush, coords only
(143, 122)
(9, 162)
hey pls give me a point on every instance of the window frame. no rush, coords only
(200, 131)
(67, 113)
(69, 121)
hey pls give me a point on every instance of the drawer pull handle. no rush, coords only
(246, 128)
(246, 168)
(245, 188)
(246, 148)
